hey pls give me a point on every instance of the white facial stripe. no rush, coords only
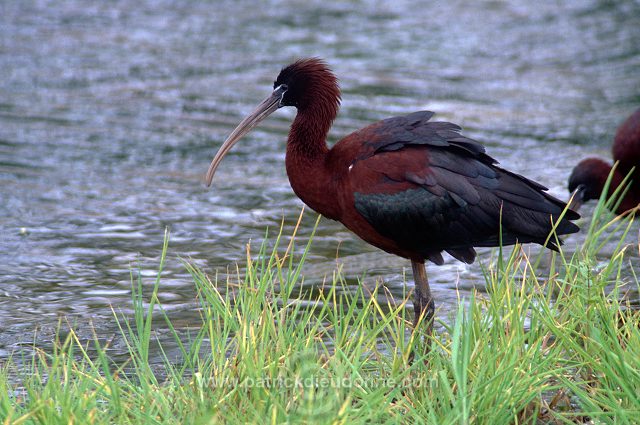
(284, 90)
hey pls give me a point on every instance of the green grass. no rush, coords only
(539, 347)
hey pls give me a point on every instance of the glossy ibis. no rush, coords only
(589, 176)
(407, 185)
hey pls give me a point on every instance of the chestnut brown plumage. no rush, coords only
(589, 176)
(408, 185)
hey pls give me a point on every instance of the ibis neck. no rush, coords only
(306, 162)
(307, 138)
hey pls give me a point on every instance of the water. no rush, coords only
(111, 111)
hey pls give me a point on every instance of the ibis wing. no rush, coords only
(430, 189)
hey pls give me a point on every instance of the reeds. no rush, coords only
(553, 344)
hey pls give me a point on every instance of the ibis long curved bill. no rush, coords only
(577, 198)
(267, 107)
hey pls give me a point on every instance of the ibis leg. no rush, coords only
(423, 304)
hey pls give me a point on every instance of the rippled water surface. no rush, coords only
(111, 111)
